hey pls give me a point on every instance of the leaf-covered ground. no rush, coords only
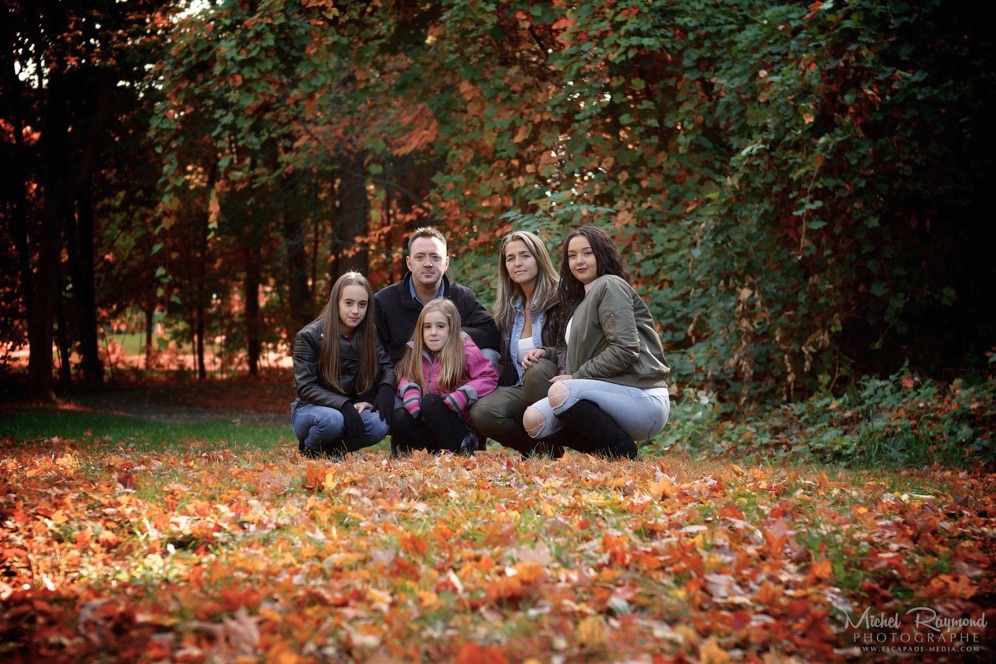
(209, 552)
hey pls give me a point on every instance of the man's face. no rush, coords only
(427, 261)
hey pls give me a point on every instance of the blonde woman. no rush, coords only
(524, 308)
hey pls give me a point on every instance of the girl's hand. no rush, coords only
(532, 356)
(362, 406)
(557, 379)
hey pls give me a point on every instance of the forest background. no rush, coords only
(798, 189)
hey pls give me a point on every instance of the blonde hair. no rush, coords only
(546, 279)
(364, 338)
(452, 362)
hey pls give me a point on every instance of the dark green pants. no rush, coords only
(499, 414)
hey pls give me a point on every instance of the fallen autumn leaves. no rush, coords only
(212, 554)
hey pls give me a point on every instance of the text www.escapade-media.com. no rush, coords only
(930, 632)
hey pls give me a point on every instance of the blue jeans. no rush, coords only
(318, 427)
(641, 413)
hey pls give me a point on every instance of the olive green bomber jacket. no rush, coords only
(613, 337)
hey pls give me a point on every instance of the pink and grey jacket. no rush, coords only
(480, 379)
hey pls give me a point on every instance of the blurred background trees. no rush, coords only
(797, 188)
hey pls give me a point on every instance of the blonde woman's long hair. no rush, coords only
(452, 363)
(364, 338)
(547, 279)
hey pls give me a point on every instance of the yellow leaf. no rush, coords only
(689, 637)
(381, 600)
(711, 653)
(591, 632)
(662, 489)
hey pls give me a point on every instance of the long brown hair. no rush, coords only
(364, 338)
(608, 260)
(452, 362)
(546, 279)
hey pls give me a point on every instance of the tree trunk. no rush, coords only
(199, 302)
(20, 217)
(65, 349)
(253, 343)
(202, 236)
(49, 242)
(150, 323)
(299, 294)
(353, 217)
(79, 240)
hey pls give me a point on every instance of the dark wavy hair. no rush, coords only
(608, 260)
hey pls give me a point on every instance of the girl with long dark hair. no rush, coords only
(615, 388)
(344, 379)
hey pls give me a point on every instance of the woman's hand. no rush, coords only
(557, 379)
(532, 356)
(362, 406)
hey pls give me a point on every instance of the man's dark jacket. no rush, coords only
(397, 312)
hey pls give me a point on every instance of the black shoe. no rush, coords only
(600, 434)
(399, 448)
(550, 447)
(469, 444)
(334, 451)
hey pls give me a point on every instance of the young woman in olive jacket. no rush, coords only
(615, 388)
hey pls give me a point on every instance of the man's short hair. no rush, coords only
(426, 231)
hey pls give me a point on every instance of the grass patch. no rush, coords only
(34, 426)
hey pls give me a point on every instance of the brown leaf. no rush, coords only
(243, 633)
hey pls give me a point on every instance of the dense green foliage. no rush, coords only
(797, 189)
(893, 422)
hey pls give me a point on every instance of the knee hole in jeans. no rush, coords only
(558, 394)
(533, 421)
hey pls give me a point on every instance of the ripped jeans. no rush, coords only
(641, 413)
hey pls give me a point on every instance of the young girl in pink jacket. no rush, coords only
(441, 374)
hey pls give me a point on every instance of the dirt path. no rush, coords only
(249, 403)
